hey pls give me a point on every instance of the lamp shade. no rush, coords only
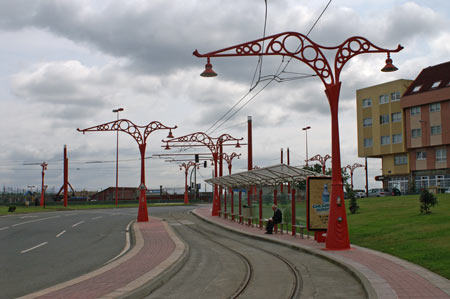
(389, 67)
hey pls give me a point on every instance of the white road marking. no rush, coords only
(29, 249)
(78, 223)
(60, 234)
(30, 216)
(17, 224)
(2, 228)
(127, 244)
(97, 217)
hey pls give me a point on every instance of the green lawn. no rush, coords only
(394, 225)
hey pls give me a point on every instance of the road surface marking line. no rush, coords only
(17, 224)
(37, 246)
(78, 223)
(28, 217)
(4, 228)
(97, 217)
(60, 234)
(127, 244)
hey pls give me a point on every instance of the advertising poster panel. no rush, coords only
(318, 194)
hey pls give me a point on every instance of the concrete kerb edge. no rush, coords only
(168, 273)
(364, 282)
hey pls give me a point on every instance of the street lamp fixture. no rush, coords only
(208, 72)
(389, 67)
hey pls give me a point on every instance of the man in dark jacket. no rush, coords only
(276, 218)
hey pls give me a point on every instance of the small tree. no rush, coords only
(427, 201)
(353, 207)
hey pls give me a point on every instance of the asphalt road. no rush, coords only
(44, 249)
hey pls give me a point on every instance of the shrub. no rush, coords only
(427, 201)
(353, 207)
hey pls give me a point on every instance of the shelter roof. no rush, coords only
(271, 175)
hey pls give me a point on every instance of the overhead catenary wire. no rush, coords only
(281, 69)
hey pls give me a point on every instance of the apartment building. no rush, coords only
(381, 130)
(426, 106)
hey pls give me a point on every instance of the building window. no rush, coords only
(367, 122)
(416, 88)
(435, 130)
(396, 138)
(396, 117)
(384, 98)
(435, 107)
(395, 96)
(367, 102)
(415, 110)
(421, 155)
(368, 142)
(384, 119)
(415, 133)
(385, 140)
(436, 84)
(441, 155)
(400, 160)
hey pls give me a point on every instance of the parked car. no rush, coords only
(447, 191)
(360, 194)
(395, 192)
(377, 192)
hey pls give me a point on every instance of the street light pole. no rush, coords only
(117, 157)
(140, 135)
(44, 168)
(313, 55)
(306, 131)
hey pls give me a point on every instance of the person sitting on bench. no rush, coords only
(276, 218)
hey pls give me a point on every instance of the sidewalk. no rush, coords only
(382, 275)
(156, 249)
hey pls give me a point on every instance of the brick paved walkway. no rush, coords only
(155, 249)
(387, 276)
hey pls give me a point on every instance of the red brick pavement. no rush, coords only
(393, 278)
(157, 247)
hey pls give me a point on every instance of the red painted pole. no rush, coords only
(281, 184)
(240, 206)
(275, 191)
(216, 204)
(142, 212)
(220, 173)
(288, 163)
(337, 233)
(44, 166)
(186, 196)
(66, 175)
(225, 201)
(293, 211)
(249, 203)
(232, 203)
(260, 207)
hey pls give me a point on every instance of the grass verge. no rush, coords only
(395, 226)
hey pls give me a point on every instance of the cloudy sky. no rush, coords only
(66, 64)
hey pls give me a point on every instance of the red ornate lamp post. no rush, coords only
(135, 131)
(321, 160)
(312, 54)
(186, 167)
(44, 168)
(352, 168)
(214, 145)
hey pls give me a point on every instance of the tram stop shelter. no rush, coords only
(263, 187)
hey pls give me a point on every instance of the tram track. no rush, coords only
(212, 236)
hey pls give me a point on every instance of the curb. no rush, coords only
(360, 277)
